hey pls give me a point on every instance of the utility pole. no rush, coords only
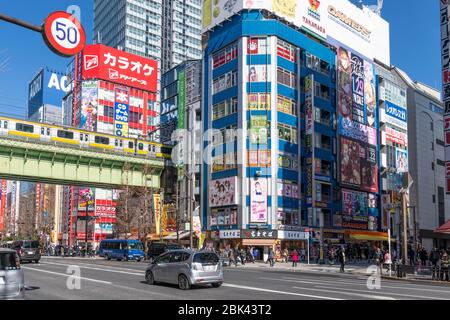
(405, 228)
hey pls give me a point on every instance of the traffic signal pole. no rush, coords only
(20, 23)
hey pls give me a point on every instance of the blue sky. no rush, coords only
(415, 43)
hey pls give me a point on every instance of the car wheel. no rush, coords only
(149, 278)
(36, 261)
(216, 284)
(183, 282)
(125, 258)
(108, 257)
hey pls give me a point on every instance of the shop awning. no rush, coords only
(445, 228)
(258, 242)
(173, 236)
(368, 236)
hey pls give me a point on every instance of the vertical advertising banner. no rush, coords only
(258, 201)
(121, 112)
(89, 106)
(258, 130)
(181, 116)
(445, 51)
(2, 213)
(310, 141)
(157, 210)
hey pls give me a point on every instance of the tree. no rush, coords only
(27, 218)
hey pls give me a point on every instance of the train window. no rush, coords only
(42, 131)
(5, 125)
(81, 137)
(121, 143)
(24, 127)
(130, 145)
(101, 140)
(141, 146)
(86, 137)
(48, 131)
(154, 149)
(65, 134)
(150, 147)
(116, 142)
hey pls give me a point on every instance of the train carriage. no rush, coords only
(54, 134)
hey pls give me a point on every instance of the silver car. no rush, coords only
(12, 284)
(186, 268)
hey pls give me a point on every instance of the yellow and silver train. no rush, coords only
(56, 134)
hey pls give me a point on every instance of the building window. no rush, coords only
(224, 108)
(286, 105)
(224, 56)
(286, 50)
(287, 133)
(288, 161)
(286, 78)
(432, 166)
(225, 81)
(108, 112)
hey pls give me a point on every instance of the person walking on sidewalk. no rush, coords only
(232, 258)
(445, 262)
(271, 259)
(294, 258)
(285, 256)
(387, 261)
(341, 257)
(331, 256)
(379, 258)
(434, 259)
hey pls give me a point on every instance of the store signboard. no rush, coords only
(293, 235)
(396, 115)
(229, 234)
(259, 234)
(341, 20)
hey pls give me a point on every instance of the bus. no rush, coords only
(121, 249)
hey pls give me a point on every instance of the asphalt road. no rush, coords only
(116, 280)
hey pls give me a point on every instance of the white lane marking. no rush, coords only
(367, 296)
(390, 293)
(101, 269)
(279, 292)
(95, 265)
(67, 275)
(417, 288)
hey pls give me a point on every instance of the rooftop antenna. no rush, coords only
(376, 8)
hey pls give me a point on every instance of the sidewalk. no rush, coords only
(349, 269)
(355, 269)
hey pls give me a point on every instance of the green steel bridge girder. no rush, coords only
(55, 164)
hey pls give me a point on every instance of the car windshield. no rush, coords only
(8, 261)
(30, 244)
(206, 258)
(135, 246)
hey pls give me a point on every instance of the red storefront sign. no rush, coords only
(105, 210)
(253, 46)
(396, 136)
(447, 122)
(447, 138)
(448, 169)
(105, 63)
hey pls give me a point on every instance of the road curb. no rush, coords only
(417, 280)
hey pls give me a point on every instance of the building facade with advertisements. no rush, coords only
(114, 92)
(444, 17)
(298, 79)
(429, 204)
(394, 146)
(180, 118)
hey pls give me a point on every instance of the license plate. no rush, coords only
(30, 252)
(209, 268)
(2, 280)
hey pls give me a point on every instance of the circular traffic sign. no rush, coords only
(63, 34)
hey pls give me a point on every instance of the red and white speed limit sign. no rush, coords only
(64, 34)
